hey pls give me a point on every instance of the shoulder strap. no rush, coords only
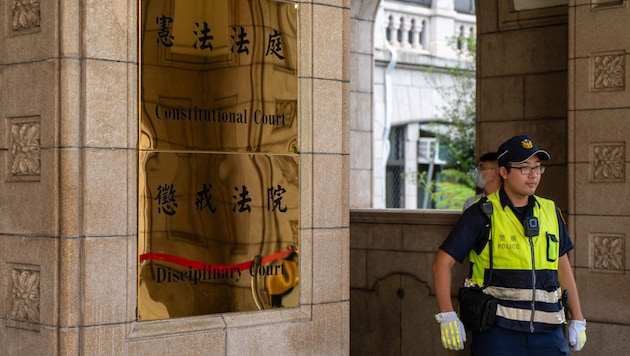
(487, 208)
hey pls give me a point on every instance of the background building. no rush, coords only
(416, 43)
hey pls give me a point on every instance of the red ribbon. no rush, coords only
(200, 265)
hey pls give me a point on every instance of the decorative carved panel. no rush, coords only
(609, 71)
(607, 252)
(25, 15)
(24, 287)
(24, 160)
(608, 162)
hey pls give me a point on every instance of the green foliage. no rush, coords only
(452, 189)
(453, 185)
(458, 110)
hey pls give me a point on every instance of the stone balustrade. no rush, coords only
(416, 28)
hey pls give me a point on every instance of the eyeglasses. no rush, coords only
(526, 170)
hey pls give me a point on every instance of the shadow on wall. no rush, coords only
(396, 318)
(392, 299)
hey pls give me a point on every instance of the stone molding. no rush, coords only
(510, 19)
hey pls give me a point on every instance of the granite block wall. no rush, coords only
(68, 168)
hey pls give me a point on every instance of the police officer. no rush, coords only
(519, 255)
(486, 176)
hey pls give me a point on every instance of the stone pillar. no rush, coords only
(441, 28)
(521, 84)
(599, 106)
(560, 74)
(68, 162)
(412, 137)
(365, 192)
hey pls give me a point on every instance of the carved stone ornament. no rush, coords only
(25, 149)
(609, 71)
(608, 162)
(25, 295)
(607, 252)
(25, 14)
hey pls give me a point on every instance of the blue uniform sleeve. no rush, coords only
(566, 244)
(468, 232)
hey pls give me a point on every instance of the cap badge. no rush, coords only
(527, 144)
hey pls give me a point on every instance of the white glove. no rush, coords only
(577, 334)
(452, 330)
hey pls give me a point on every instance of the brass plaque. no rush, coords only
(218, 165)
(219, 75)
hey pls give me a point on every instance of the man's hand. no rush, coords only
(577, 334)
(452, 330)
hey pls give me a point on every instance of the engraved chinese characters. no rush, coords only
(218, 163)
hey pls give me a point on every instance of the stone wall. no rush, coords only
(522, 76)
(597, 133)
(68, 162)
(392, 294)
(559, 74)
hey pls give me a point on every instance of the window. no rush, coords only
(465, 6)
(429, 151)
(394, 180)
(426, 3)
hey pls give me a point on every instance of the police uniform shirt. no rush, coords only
(471, 231)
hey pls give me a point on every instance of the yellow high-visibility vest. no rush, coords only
(524, 274)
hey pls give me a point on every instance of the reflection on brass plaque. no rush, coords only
(219, 75)
(218, 169)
